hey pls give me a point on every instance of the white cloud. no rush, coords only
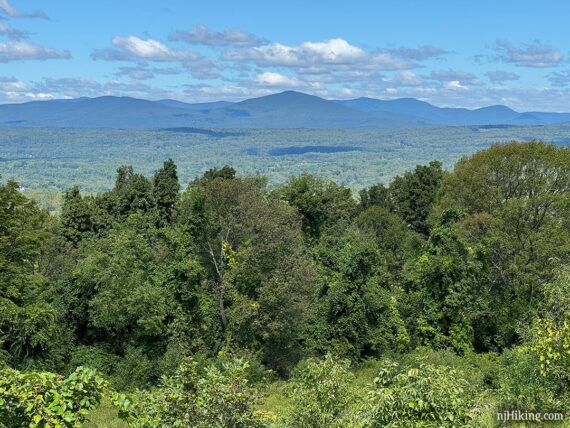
(269, 78)
(16, 50)
(328, 55)
(453, 75)
(9, 31)
(11, 84)
(455, 85)
(201, 35)
(500, 76)
(405, 78)
(15, 13)
(420, 54)
(535, 54)
(130, 48)
(561, 78)
(140, 51)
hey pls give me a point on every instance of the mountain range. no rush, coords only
(287, 109)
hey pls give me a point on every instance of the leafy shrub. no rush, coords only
(217, 396)
(427, 396)
(134, 370)
(523, 386)
(95, 357)
(321, 394)
(480, 370)
(536, 376)
(36, 399)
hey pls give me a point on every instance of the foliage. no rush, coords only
(516, 200)
(29, 322)
(356, 312)
(413, 195)
(48, 160)
(36, 399)
(323, 205)
(445, 288)
(523, 386)
(426, 396)
(217, 395)
(321, 394)
(462, 278)
(165, 188)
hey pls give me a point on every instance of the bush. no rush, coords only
(95, 357)
(134, 370)
(321, 394)
(426, 396)
(480, 370)
(523, 386)
(41, 399)
(217, 396)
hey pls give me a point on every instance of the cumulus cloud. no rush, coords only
(269, 78)
(11, 11)
(453, 75)
(534, 54)
(11, 84)
(455, 85)
(132, 48)
(16, 46)
(13, 90)
(406, 78)
(142, 72)
(559, 78)
(206, 92)
(141, 51)
(501, 76)
(68, 87)
(10, 32)
(17, 50)
(201, 35)
(420, 54)
(329, 55)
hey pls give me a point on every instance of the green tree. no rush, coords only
(165, 190)
(376, 195)
(516, 199)
(321, 394)
(447, 287)
(355, 309)
(323, 205)
(81, 217)
(132, 193)
(412, 195)
(394, 239)
(30, 331)
(252, 248)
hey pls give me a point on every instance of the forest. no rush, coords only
(48, 161)
(440, 299)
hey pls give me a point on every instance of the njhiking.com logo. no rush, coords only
(524, 416)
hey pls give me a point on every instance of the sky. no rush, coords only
(449, 53)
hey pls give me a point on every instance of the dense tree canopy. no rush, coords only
(208, 293)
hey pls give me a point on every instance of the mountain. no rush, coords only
(287, 109)
(102, 112)
(196, 106)
(435, 115)
(292, 109)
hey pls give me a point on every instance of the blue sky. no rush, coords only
(450, 53)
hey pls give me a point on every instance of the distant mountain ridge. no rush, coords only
(287, 109)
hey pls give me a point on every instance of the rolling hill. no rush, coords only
(287, 109)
